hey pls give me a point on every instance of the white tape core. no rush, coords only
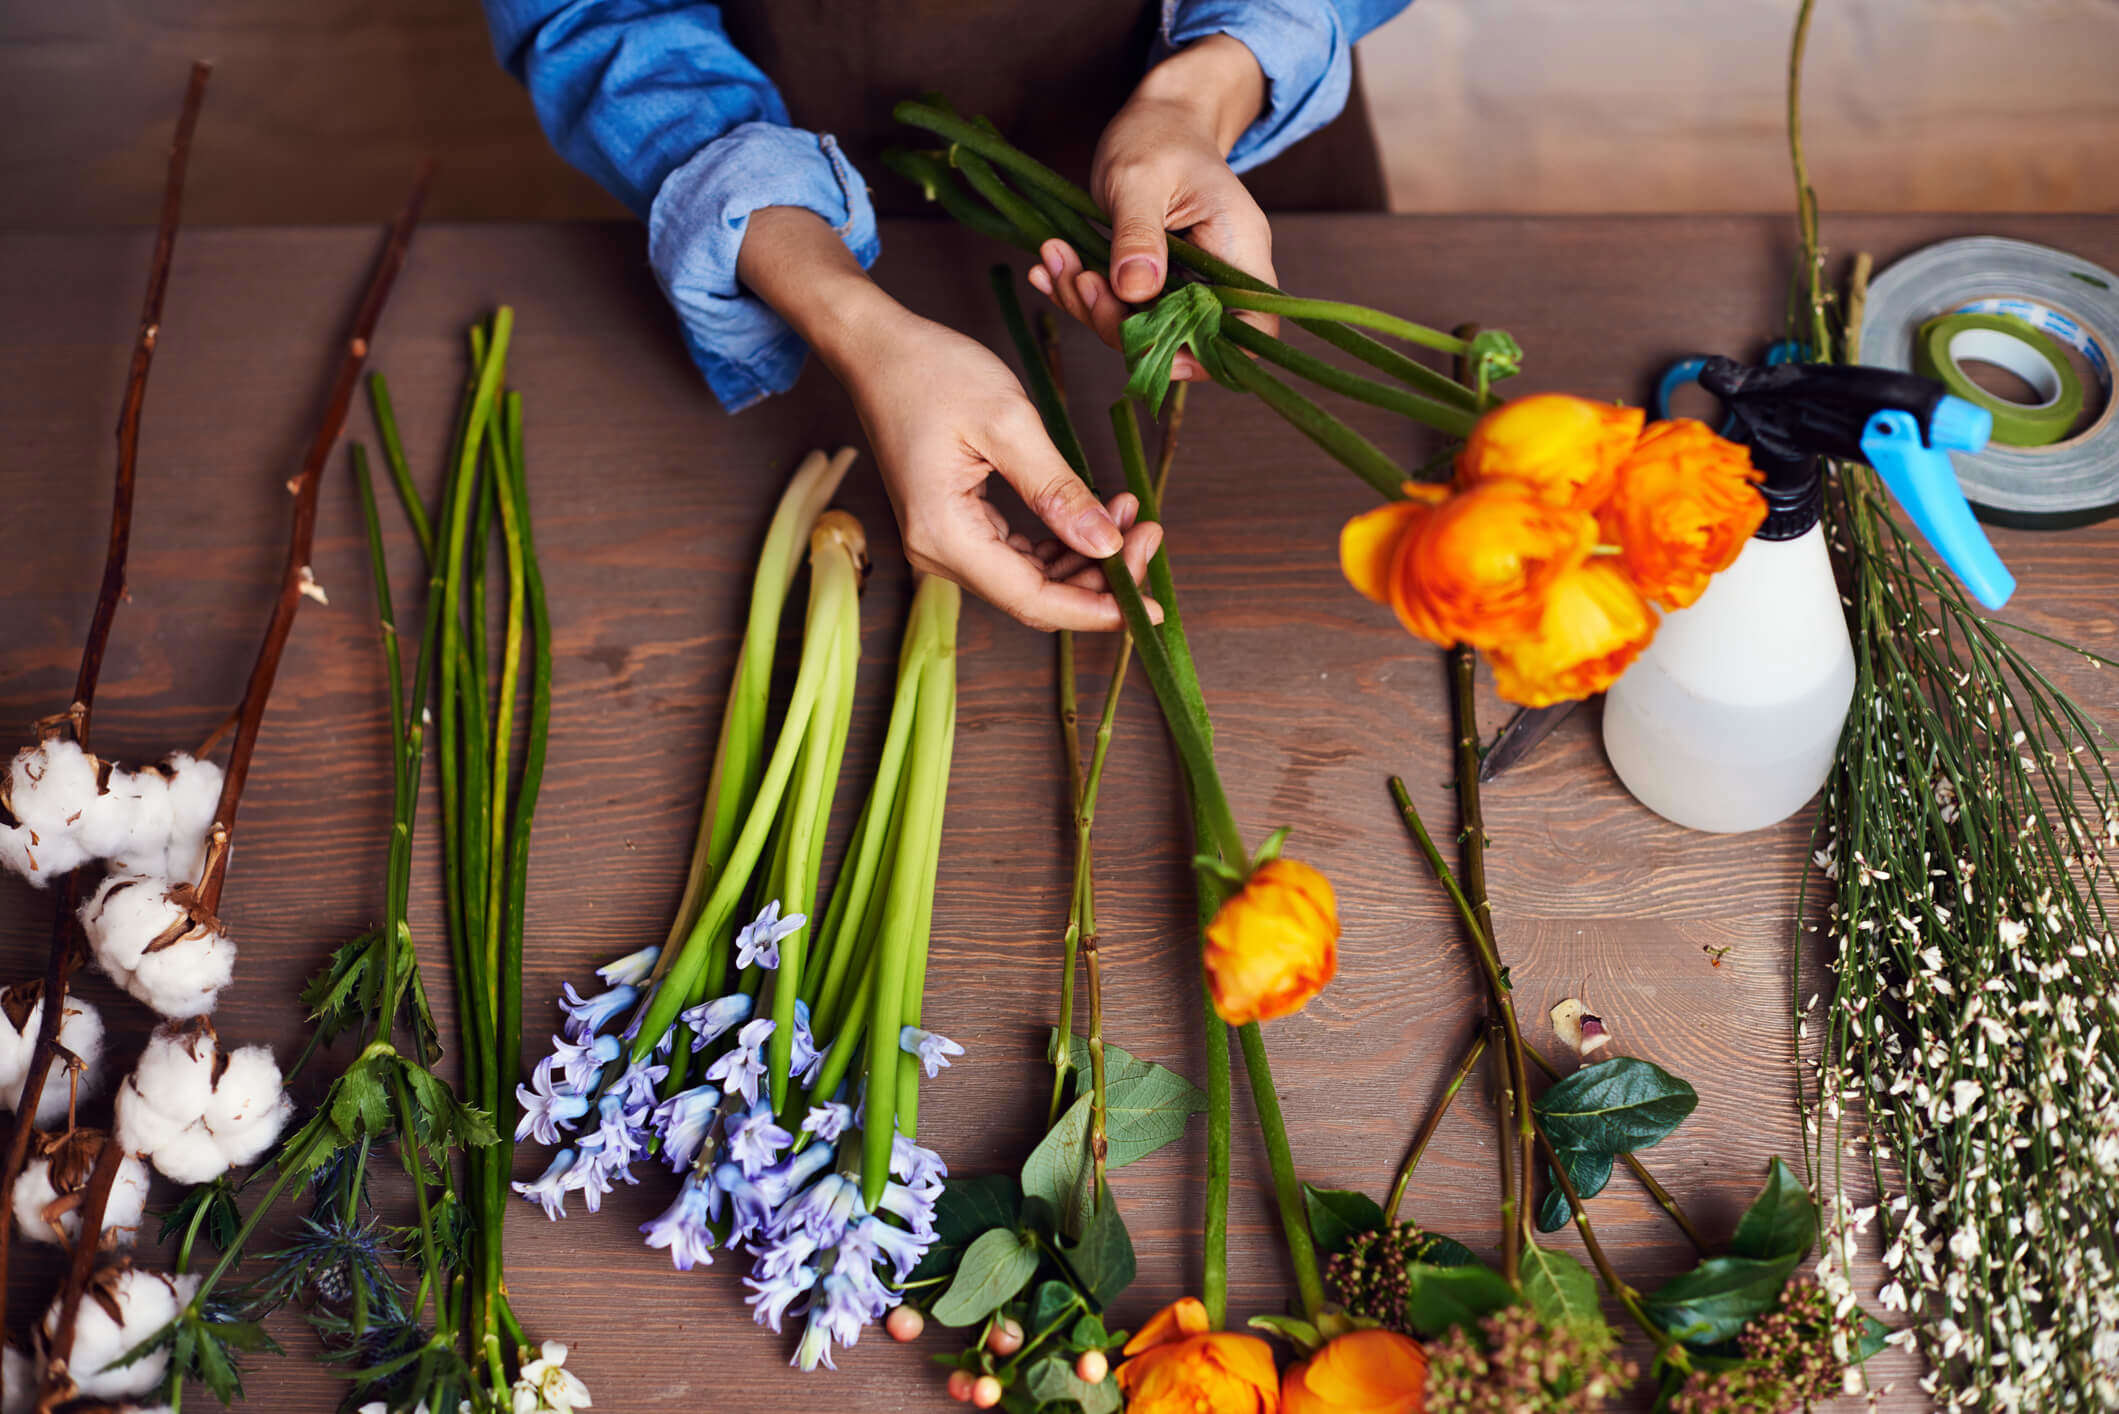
(2008, 352)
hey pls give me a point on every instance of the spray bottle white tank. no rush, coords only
(1730, 720)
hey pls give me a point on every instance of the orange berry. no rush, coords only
(986, 1393)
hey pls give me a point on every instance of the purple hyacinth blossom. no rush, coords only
(619, 1138)
(755, 1141)
(750, 1207)
(682, 1121)
(547, 1110)
(739, 1070)
(836, 1316)
(771, 1296)
(684, 1228)
(880, 1241)
(865, 1291)
(581, 1061)
(758, 945)
(804, 1059)
(710, 1020)
(632, 969)
(588, 1015)
(918, 1166)
(636, 1085)
(822, 1210)
(783, 1255)
(549, 1191)
(914, 1205)
(933, 1051)
(828, 1121)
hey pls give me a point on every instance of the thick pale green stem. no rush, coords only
(1287, 1189)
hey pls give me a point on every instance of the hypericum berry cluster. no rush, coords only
(1517, 1365)
(1800, 1353)
(1368, 1275)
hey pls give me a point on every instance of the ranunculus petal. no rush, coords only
(1185, 1316)
(1682, 508)
(1274, 944)
(1369, 1370)
(1565, 448)
(1595, 624)
(1369, 540)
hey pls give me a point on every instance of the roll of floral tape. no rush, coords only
(1946, 343)
(2071, 303)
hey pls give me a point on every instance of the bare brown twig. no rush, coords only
(302, 537)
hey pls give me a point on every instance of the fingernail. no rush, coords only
(1054, 261)
(1040, 281)
(1150, 277)
(1098, 531)
(1086, 288)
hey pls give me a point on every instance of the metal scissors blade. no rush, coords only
(1524, 731)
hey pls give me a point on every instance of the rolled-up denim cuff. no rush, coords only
(1301, 45)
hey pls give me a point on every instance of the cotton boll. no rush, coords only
(175, 1073)
(145, 1302)
(194, 796)
(36, 1190)
(246, 1143)
(41, 858)
(20, 1013)
(193, 1156)
(141, 1127)
(185, 979)
(33, 1194)
(124, 915)
(18, 1382)
(149, 818)
(80, 1032)
(249, 1089)
(49, 786)
(15, 856)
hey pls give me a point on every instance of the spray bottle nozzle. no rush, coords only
(1903, 425)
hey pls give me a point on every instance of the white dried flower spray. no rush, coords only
(121, 1307)
(157, 941)
(195, 1114)
(74, 1072)
(18, 1382)
(48, 1195)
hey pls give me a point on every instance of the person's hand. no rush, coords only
(1162, 166)
(944, 415)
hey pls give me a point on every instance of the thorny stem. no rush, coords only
(1465, 1066)
(304, 487)
(64, 953)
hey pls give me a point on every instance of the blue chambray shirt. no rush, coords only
(651, 99)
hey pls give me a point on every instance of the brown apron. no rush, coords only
(1049, 74)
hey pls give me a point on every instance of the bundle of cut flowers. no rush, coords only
(771, 1057)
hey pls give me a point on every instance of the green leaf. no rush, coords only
(1588, 1170)
(1563, 1293)
(1102, 1262)
(1144, 1110)
(1118, 1064)
(1616, 1106)
(967, 1207)
(1438, 1298)
(1187, 316)
(1337, 1214)
(1874, 1335)
(222, 1215)
(1053, 1172)
(1711, 1303)
(1781, 1220)
(359, 1104)
(1052, 1381)
(1088, 1333)
(1439, 1251)
(994, 1268)
(1293, 1329)
(1048, 1304)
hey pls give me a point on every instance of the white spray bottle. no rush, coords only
(1730, 720)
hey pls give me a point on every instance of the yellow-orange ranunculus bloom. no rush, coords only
(1361, 1372)
(1478, 569)
(1566, 449)
(1177, 1365)
(1681, 509)
(1595, 624)
(1274, 944)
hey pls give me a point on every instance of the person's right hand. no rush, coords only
(944, 415)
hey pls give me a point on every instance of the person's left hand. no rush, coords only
(1162, 165)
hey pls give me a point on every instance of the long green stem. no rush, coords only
(1356, 452)
(1446, 410)
(1070, 943)
(1287, 1189)
(1465, 1065)
(1296, 307)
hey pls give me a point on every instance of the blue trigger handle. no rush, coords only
(1924, 482)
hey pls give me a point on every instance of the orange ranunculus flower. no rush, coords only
(1681, 509)
(1478, 569)
(1274, 944)
(1595, 624)
(1566, 449)
(1177, 1365)
(1361, 1372)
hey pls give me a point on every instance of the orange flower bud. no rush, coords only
(1595, 624)
(1564, 448)
(1274, 944)
(1681, 509)
(1361, 1372)
(1478, 568)
(1179, 1366)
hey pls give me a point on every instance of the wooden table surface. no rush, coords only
(649, 504)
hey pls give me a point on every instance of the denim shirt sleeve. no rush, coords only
(1305, 47)
(651, 99)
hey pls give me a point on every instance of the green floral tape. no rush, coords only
(1943, 345)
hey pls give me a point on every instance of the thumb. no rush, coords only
(1140, 205)
(1027, 461)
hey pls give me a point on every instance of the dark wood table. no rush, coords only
(649, 504)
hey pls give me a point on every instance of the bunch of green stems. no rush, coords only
(1166, 660)
(1027, 203)
(488, 717)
